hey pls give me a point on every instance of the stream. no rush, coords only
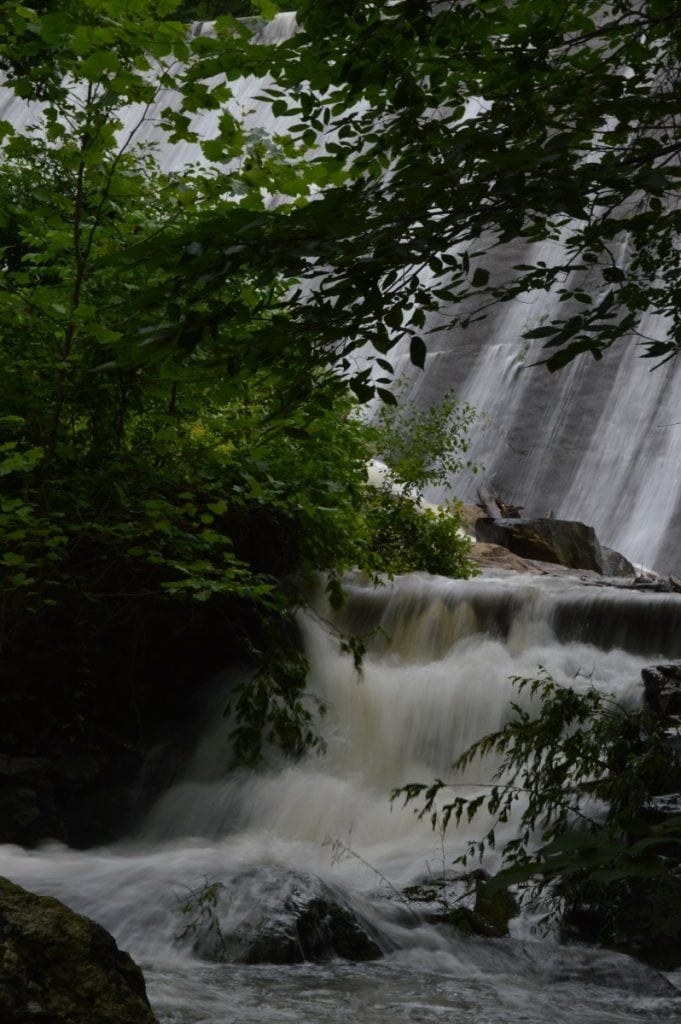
(436, 677)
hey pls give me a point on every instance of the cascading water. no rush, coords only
(597, 443)
(436, 677)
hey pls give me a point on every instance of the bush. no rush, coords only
(577, 773)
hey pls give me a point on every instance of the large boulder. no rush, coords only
(57, 967)
(270, 915)
(559, 541)
(615, 564)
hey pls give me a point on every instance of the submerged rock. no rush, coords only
(269, 915)
(57, 967)
(606, 968)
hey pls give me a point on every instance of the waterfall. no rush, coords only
(596, 442)
(435, 678)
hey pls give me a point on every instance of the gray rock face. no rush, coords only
(57, 967)
(558, 541)
(61, 797)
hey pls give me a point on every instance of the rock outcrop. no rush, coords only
(62, 796)
(494, 556)
(556, 541)
(57, 967)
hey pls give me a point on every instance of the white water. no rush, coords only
(596, 442)
(599, 442)
(439, 682)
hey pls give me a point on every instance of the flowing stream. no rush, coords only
(596, 442)
(436, 677)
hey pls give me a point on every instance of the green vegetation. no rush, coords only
(420, 448)
(180, 453)
(179, 445)
(578, 772)
(478, 124)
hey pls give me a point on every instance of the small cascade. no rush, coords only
(436, 677)
(598, 443)
(424, 616)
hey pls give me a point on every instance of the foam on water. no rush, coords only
(433, 682)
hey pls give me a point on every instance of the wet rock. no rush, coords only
(662, 689)
(615, 564)
(316, 930)
(465, 902)
(57, 967)
(558, 541)
(640, 917)
(268, 915)
(491, 912)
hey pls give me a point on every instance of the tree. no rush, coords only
(577, 774)
(175, 446)
(441, 132)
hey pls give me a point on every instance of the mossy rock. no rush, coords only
(57, 967)
(490, 914)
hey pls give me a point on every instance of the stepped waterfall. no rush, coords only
(222, 849)
(435, 678)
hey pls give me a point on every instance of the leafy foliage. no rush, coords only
(420, 448)
(199, 909)
(408, 537)
(464, 127)
(423, 447)
(173, 433)
(574, 775)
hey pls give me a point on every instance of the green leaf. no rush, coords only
(417, 352)
(98, 64)
(12, 558)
